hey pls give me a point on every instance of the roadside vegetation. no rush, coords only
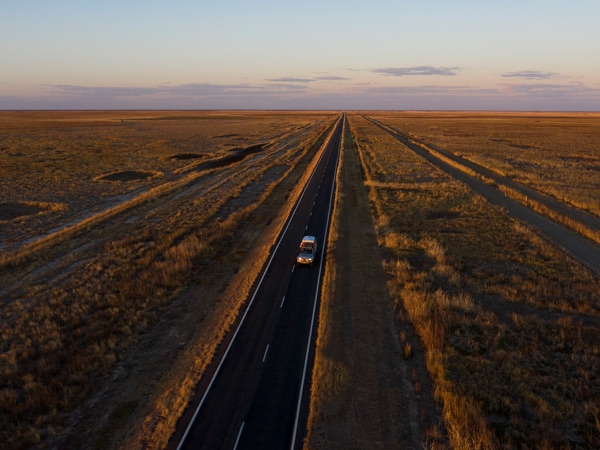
(509, 324)
(362, 395)
(106, 327)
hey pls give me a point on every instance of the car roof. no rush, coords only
(309, 239)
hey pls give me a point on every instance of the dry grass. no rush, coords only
(509, 323)
(582, 228)
(73, 313)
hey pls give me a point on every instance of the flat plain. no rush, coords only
(130, 240)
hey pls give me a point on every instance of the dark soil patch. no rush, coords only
(443, 215)
(11, 211)
(129, 175)
(186, 156)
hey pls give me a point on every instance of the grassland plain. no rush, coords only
(510, 325)
(544, 212)
(73, 164)
(106, 331)
(555, 153)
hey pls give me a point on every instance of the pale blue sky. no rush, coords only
(332, 54)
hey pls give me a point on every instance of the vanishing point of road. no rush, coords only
(256, 394)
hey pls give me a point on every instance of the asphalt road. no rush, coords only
(256, 393)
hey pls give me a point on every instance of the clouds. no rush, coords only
(419, 71)
(409, 87)
(332, 78)
(291, 80)
(196, 95)
(165, 96)
(531, 75)
(554, 89)
(181, 90)
(308, 80)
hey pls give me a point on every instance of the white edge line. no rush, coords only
(237, 441)
(312, 323)
(214, 377)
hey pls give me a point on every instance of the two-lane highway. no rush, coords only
(257, 395)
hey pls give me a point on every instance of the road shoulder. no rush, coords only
(362, 395)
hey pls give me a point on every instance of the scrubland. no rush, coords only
(81, 163)
(114, 301)
(509, 324)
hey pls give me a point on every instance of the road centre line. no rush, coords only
(266, 351)
(282, 302)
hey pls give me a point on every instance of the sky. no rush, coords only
(531, 55)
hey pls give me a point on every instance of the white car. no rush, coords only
(308, 251)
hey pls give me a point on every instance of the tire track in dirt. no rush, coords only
(583, 250)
